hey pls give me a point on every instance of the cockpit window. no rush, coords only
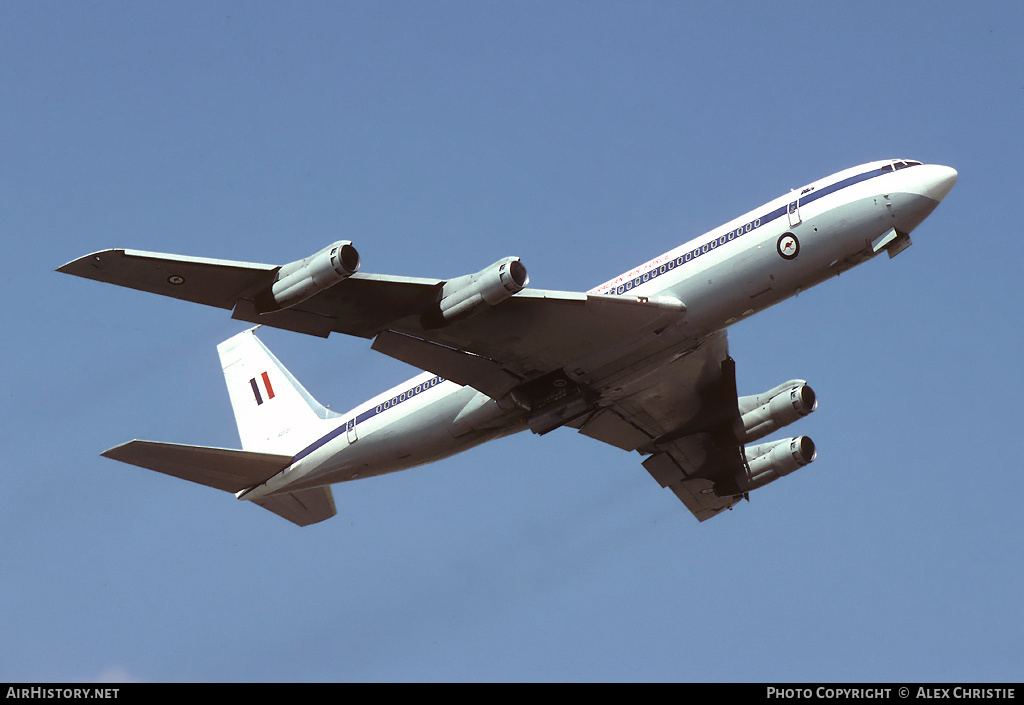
(897, 164)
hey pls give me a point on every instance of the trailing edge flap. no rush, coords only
(221, 468)
(302, 507)
(459, 366)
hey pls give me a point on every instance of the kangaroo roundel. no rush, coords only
(788, 246)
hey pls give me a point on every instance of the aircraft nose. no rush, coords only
(938, 181)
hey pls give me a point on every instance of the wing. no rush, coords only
(532, 334)
(198, 279)
(681, 415)
(361, 305)
(521, 338)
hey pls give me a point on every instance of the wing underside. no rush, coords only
(200, 280)
(526, 336)
(361, 305)
(681, 416)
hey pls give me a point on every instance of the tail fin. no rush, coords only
(274, 413)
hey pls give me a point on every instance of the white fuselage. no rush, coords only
(746, 265)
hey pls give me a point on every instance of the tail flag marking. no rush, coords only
(256, 388)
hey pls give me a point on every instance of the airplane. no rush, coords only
(640, 362)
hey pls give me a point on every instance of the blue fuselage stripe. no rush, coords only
(369, 414)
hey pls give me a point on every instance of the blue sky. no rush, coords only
(585, 138)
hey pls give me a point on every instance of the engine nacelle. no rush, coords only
(768, 462)
(762, 414)
(300, 280)
(466, 295)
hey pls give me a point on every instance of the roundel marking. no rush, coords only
(788, 246)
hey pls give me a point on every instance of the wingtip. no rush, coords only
(79, 266)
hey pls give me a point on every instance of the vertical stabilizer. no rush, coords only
(275, 414)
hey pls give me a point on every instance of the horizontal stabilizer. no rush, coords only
(231, 471)
(221, 468)
(303, 507)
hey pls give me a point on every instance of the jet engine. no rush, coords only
(466, 295)
(762, 414)
(301, 279)
(768, 462)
